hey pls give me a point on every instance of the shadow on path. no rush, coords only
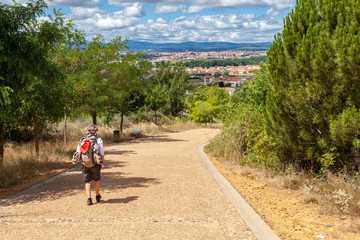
(116, 152)
(72, 184)
(161, 138)
(121, 200)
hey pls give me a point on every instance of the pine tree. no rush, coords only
(314, 70)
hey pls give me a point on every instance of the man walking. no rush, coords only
(91, 171)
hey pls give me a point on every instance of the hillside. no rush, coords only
(197, 46)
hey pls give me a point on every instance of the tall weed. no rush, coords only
(243, 139)
(340, 194)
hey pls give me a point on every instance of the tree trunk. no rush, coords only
(1, 142)
(65, 129)
(93, 115)
(155, 118)
(121, 122)
(36, 134)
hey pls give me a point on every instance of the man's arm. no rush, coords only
(101, 150)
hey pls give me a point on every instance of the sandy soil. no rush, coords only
(285, 210)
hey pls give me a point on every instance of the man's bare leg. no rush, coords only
(88, 189)
(97, 188)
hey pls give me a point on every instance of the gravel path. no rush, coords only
(152, 188)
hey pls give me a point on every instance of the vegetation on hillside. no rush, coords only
(307, 93)
(302, 112)
(223, 62)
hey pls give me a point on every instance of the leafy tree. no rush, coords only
(127, 93)
(209, 103)
(156, 98)
(93, 87)
(25, 65)
(314, 67)
(253, 92)
(174, 80)
(202, 111)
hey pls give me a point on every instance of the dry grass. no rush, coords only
(292, 214)
(336, 194)
(21, 162)
(151, 129)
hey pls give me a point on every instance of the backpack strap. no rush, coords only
(92, 138)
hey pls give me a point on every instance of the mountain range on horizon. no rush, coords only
(197, 46)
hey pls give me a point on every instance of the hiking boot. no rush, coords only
(89, 201)
(98, 197)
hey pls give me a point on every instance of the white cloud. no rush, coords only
(168, 8)
(75, 3)
(194, 6)
(134, 10)
(80, 12)
(10, 2)
(199, 5)
(72, 3)
(222, 27)
(103, 21)
(273, 12)
(128, 20)
(161, 21)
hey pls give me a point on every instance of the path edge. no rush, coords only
(258, 226)
(77, 167)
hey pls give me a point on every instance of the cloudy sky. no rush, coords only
(162, 21)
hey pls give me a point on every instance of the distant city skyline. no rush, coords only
(165, 21)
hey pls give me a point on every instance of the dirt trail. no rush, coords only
(152, 188)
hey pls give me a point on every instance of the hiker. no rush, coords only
(90, 152)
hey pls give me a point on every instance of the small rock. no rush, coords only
(297, 228)
(343, 218)
(328, 225)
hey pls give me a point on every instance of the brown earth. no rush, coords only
(284, 210)
(38, 178)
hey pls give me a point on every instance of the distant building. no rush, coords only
(230, 90)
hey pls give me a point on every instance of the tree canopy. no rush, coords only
(314, 87)
(175, 81)
(28, 77)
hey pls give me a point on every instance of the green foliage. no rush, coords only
(127, 90)
(31, 84)
(243, 137)
(314, 67)
(208, 103)
(174, 80)
(224, 62)
(156, 98)
(92, 86)
(253, 92)
(345, 128)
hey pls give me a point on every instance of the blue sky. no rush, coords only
(162, 21)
